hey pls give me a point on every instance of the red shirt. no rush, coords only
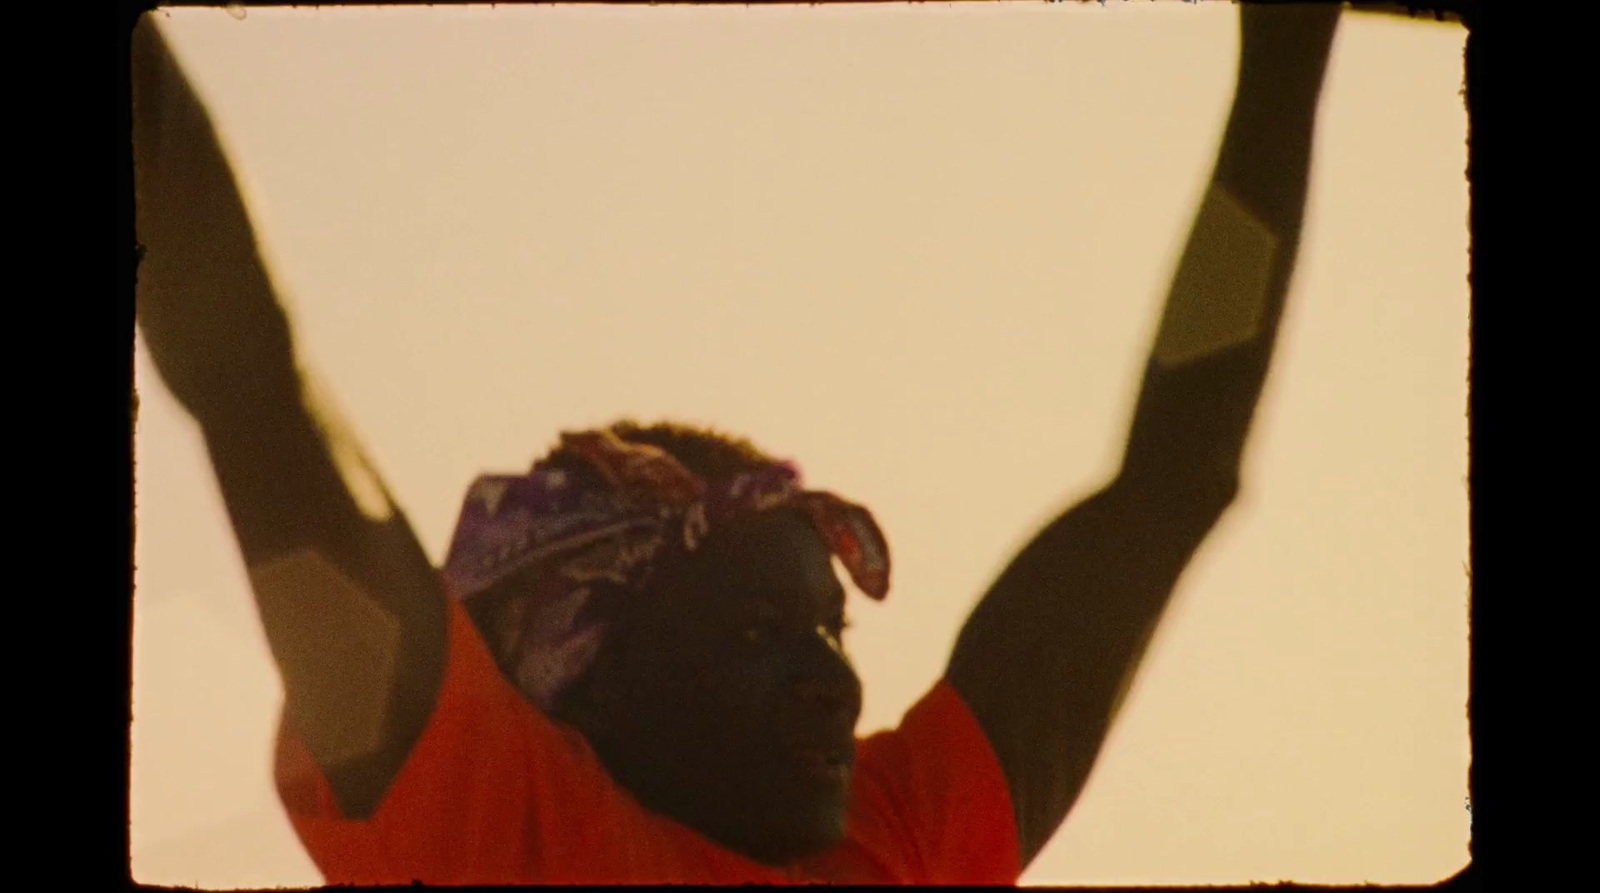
(496, 792)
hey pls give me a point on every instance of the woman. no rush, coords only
(629, 667)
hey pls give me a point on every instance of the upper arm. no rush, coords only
(353, 610)
(1046, 655)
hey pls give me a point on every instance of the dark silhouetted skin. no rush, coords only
(724, 667)
(712, 688)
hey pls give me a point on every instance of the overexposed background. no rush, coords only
(922, 249)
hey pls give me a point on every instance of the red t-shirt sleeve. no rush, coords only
(495, 792)
(930, 804)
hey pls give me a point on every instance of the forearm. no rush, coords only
(205, 303)
(1222, 314)
(1265, 152)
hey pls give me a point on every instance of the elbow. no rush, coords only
(1193, 492)
(1219, 491)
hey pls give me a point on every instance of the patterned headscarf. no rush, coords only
(587, 537)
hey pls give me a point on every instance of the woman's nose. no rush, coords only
(824, 683)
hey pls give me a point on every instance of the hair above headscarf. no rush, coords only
(569, 537)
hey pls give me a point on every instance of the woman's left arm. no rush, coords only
(1047, 654)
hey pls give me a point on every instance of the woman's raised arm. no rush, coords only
(353, 610)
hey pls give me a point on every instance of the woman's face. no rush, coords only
(724, 698)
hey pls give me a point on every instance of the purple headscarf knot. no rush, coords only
(576, 536)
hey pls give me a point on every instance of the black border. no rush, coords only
(1499, 328)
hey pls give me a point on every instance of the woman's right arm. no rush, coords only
(354, 612)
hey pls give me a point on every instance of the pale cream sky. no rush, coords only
(922, 250)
